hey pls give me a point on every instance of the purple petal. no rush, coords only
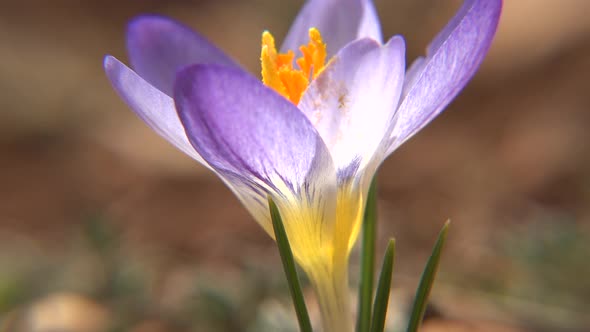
(339, 22)
(452, 59)
(352, 102)
(150, 104)
(159, 46)
(243, 128)
(260, 144)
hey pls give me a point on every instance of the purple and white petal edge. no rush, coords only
(153, 106)
(451, 61)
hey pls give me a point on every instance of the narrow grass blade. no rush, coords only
(289, 266)
(383, 290)
(367, 260)
(426, 281)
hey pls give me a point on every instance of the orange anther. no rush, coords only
(277, 69)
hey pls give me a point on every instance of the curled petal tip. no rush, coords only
(108, 62)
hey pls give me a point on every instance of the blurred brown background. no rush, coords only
(106, 227)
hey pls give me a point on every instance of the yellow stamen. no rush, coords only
(277, 69)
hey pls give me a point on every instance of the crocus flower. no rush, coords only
(312, 133)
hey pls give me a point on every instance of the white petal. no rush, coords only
(352, 102)
(339, 21)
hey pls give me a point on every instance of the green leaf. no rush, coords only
(367, 260)
(383, 290)
(426, 281)
(289, 266)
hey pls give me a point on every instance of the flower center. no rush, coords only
(277, 69)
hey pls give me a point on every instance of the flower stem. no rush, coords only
(331, 286)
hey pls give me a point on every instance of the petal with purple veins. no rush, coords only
(159, 46)
(452, 59)
(339, 21)
(261, 144)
